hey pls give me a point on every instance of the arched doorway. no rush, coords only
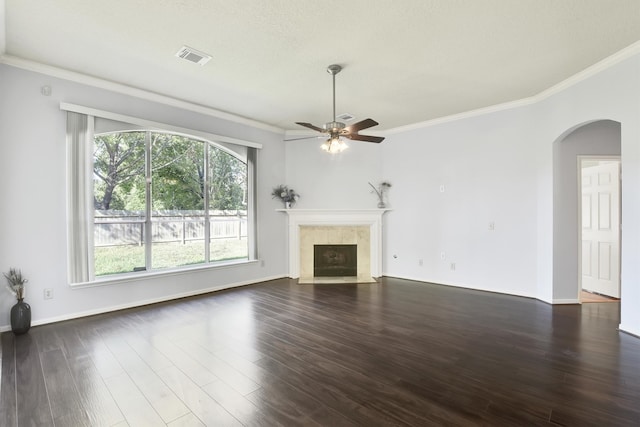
(595, 138)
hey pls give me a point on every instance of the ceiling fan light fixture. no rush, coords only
(334, 145)
(335, 129)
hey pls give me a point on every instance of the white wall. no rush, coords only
(488, 169)
(496, 167)
(333, 181)
(32, 198)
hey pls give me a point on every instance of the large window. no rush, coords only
(163, 200)
(159, 200)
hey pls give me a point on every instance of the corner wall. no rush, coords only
(33, 199)
(497, 172)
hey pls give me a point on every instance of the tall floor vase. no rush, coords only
(20, 317)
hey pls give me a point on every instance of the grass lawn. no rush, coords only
(123, 259)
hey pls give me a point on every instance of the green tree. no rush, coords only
(177, 172)
(118, 161)
(228, 181)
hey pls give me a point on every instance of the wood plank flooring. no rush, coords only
(396, 353)
(589, 297)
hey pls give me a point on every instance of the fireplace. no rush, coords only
(361, 228)
(335, 260)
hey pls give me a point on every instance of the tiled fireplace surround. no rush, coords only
(323, 226)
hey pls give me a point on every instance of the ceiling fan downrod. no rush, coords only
(335, 129)
(333, 70)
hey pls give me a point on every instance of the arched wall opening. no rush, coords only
(594, 138)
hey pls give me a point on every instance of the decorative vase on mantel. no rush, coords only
(383, 187)
(287, 195)
(20, 317)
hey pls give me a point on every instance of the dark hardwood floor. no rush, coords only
(278, 353)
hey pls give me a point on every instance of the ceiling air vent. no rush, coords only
(346, 117)
(192, 55)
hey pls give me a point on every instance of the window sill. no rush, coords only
(134, 277)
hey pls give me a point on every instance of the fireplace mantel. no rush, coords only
(335, 217)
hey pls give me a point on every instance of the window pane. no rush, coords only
(119, 202)
(227, 206)
(195, 203)
(177, 201)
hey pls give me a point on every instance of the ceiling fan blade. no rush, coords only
(364, 124)
(367, 138)
(310, 126)
(304, 137)
(337, 129)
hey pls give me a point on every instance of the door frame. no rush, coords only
(593, 157)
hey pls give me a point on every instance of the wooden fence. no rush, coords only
(116, 228)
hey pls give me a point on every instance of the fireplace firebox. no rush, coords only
(335, 260)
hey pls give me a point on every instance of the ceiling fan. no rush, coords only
(335, 129)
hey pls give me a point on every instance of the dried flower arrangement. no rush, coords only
(15, 283)
(286, 194)
(383, 187)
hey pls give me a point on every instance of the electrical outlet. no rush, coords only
(443, 255)
(420, 262)
(48, 293)
(442, 188)
(453, 266)
(492, 226)
(261, 263)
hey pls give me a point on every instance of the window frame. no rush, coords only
(208, 139)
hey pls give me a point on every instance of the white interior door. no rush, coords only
(601, 228)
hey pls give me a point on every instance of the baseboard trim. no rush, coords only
(142, 303)
(461, 286)
(629, 331)
(565, 301)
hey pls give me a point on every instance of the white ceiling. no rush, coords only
(405, 61)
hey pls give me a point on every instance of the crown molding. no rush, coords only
(581, 76)
(85, 79)
(588, 72)
(465, 115)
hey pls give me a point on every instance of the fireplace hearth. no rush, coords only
(335, 260)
